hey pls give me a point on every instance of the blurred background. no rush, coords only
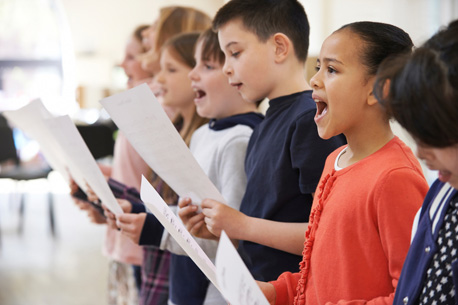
(68, 54)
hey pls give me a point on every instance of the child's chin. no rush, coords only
(324, 134)
(201, 112)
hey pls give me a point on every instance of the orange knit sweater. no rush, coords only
(359, 230)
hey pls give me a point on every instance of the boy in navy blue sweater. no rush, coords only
(265, 44)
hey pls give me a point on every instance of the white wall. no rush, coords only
(419, 18)
(100, 28)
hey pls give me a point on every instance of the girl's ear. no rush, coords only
(371, 100)
(282, 45)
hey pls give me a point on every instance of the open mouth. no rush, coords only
(321, 108)
(199, 94)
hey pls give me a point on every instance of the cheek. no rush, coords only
(138, 71)
(183, 89)
(452, 160)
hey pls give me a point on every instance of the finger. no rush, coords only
(91, 195)
(197, 227)
(73, 187)
(83, 205)
(208, 212)
(208, 203)
(112, 223)
(195, 220)
(187, 211)
(184, 202)
(208, 221)
(108, 214)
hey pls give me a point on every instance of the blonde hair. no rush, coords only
(174, 20)
(182, 49)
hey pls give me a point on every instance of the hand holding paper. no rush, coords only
(194, 220)
(30, 119)
(80, 161)
(171, 223)
(64, 148)
(131, 225)
(219, 216)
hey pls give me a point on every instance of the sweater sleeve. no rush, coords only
(285, 288)
(152, 231)
(131, 194)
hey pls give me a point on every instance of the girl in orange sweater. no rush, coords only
(364, 206)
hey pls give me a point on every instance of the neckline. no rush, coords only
(391, 142)
(284, 100)
(336, 166)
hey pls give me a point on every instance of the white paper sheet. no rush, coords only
(30, 119)
(80, 161)
(235, 281)
(171, 223)
(141, 118)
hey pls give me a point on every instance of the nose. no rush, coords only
(193, 75)
(124, 64)
(227, 68)
(160, 77)
(315, 81)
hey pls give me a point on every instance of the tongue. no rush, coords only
(325, 110)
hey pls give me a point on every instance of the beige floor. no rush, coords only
(36, 268)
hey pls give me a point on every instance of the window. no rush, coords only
(36, 57)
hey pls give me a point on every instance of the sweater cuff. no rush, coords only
(151, 232)
(285, 288)
(137, 208)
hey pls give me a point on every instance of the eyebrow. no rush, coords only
(230, 43)
(328, 59)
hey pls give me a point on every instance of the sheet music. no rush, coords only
(154, 202)
(80, 161)
(30, 119)
(235, 281)
(141, 118)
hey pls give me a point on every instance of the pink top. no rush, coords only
(128, 167)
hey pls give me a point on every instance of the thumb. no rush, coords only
(208, 203)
